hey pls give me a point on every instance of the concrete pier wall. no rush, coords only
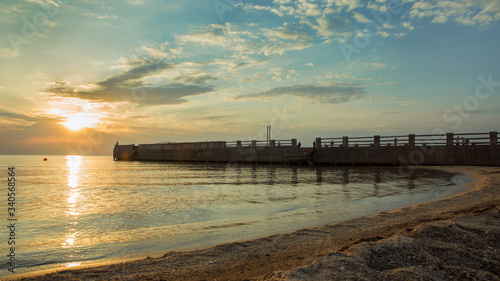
(421, 155)
(405, 151)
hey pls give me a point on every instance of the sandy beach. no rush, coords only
(456, 238)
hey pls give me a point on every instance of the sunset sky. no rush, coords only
(77, 76)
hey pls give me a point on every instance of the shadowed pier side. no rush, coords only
(443, 149)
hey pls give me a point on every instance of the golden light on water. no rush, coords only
(72, 197)
(73, 213)
(73, 264)
(70, 239)
(73, 163)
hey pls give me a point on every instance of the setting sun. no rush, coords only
(79, 121)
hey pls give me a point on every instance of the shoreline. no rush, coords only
(296, 252)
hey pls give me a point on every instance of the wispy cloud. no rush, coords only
(287, 34)
(327, 94)
(359, 17)
(467, 12)
(8, 53)
(14, 121)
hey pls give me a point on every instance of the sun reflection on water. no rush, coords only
(73, 264)
(70, 239)
(73, 163)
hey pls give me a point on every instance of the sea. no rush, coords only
(73, 210)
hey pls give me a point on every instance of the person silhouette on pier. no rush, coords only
(314, 144)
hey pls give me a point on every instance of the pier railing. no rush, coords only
(263, 143)
(448, 139)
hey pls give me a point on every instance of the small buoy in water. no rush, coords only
(44, 159)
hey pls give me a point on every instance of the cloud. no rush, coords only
(106, 16)
(383, 33)
(377, 7)
(146, 68)
(136, 2)
(46, 2)
(174, 93)
(46, 135)
(327, 17)
(194, 79)
(326, 94)
(246, 44)
(217, 117)
(250, 7)
(155, 52)
(334, 26)
(369, 65)
(11, 13)
(308, 9)
(360, 17)
(466, 12)
(131, 86)
(14, 121)
(281, 48)
(214, 34)
(407, 25)
(8, 53)
(350, 4)
(287, 34)
(440, 19)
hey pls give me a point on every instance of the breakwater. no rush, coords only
(437, 149)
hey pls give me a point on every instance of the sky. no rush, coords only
(77, 76)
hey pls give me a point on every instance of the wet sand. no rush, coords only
(456, 238)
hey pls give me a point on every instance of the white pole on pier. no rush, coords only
(268, 128)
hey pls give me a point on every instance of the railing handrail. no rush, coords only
(415, 139)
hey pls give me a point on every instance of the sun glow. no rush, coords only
(79, 121)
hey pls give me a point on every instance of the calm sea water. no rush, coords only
(72, 210)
